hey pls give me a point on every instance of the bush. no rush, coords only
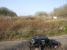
(6, 12)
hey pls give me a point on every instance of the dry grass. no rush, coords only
(26, 27)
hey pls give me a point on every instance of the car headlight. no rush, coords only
(32, 41)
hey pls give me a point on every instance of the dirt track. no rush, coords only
(22, 45)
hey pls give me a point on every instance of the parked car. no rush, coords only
(43, 42)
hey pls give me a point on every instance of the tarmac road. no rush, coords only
(23, 45)
(62, 39)
(14, 45)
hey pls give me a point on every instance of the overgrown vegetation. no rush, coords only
(61, 11)
(26, 27)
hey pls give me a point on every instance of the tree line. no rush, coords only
(61, 11)
(6, 12)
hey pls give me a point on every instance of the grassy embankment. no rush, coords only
(25, 27)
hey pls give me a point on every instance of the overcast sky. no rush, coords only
(29, 7)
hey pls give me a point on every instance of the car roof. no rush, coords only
(40, 37)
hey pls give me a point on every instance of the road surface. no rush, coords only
(22, 45)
